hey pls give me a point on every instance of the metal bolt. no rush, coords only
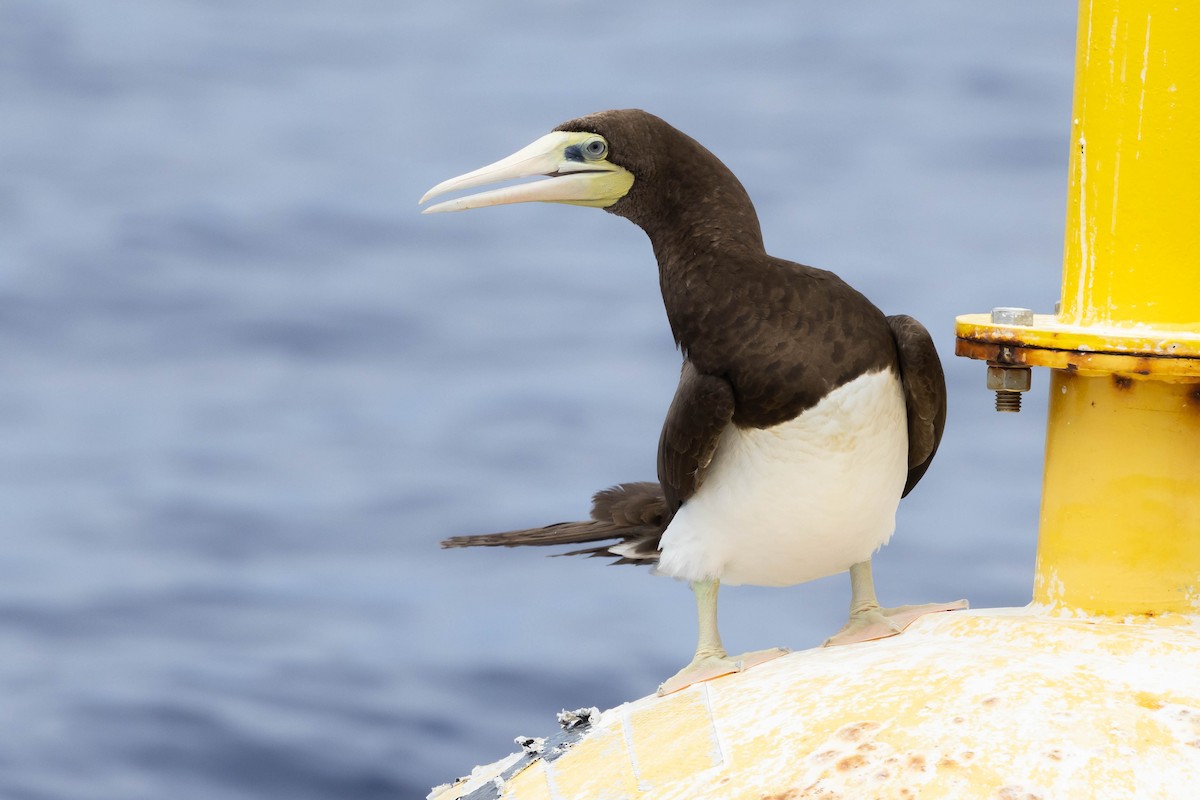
(1009, 402)
(1011, 315)
(1008, 380)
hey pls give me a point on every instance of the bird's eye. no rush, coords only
(595, 148)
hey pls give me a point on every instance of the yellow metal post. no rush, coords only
(1132, 255)
(1120, 522)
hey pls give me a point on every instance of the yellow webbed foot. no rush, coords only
(880, 623)
(705, 668)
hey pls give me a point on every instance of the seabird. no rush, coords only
(802, 416)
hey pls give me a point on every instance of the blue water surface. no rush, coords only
(247, 387)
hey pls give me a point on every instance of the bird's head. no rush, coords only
(626, 161)
(577, 163)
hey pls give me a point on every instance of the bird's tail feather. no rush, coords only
(634, 514)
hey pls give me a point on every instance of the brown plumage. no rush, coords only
(763, 339)
(635, 513)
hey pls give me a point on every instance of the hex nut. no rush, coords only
(1008, 379)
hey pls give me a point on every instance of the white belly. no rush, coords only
(804, 499)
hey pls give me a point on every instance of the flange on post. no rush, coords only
(1017, 338)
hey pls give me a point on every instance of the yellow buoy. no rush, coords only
(970, 704)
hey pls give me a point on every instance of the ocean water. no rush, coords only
(247, 387)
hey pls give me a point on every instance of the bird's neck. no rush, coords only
(704, 230)
(704, 245)
(700, 206)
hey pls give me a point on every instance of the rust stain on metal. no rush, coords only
(851, 762)
(1135, 365)
(1122, 382)
(1016, 793)
(790, 794)
(854, 732)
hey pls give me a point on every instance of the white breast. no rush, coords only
(804, 499)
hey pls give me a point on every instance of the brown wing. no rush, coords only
(924, 392)
(702, 407)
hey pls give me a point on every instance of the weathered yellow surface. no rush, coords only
(1120, 520)
(1008, 703)
(576, 777)
(1132, 239)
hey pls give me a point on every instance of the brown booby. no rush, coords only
(802, 416)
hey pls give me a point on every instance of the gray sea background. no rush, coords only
(245, 387)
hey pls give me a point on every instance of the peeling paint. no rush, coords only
(496, 781)
(580, 716)
(1142, 97)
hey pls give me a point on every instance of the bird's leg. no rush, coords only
(711, 660)
(869, 621)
